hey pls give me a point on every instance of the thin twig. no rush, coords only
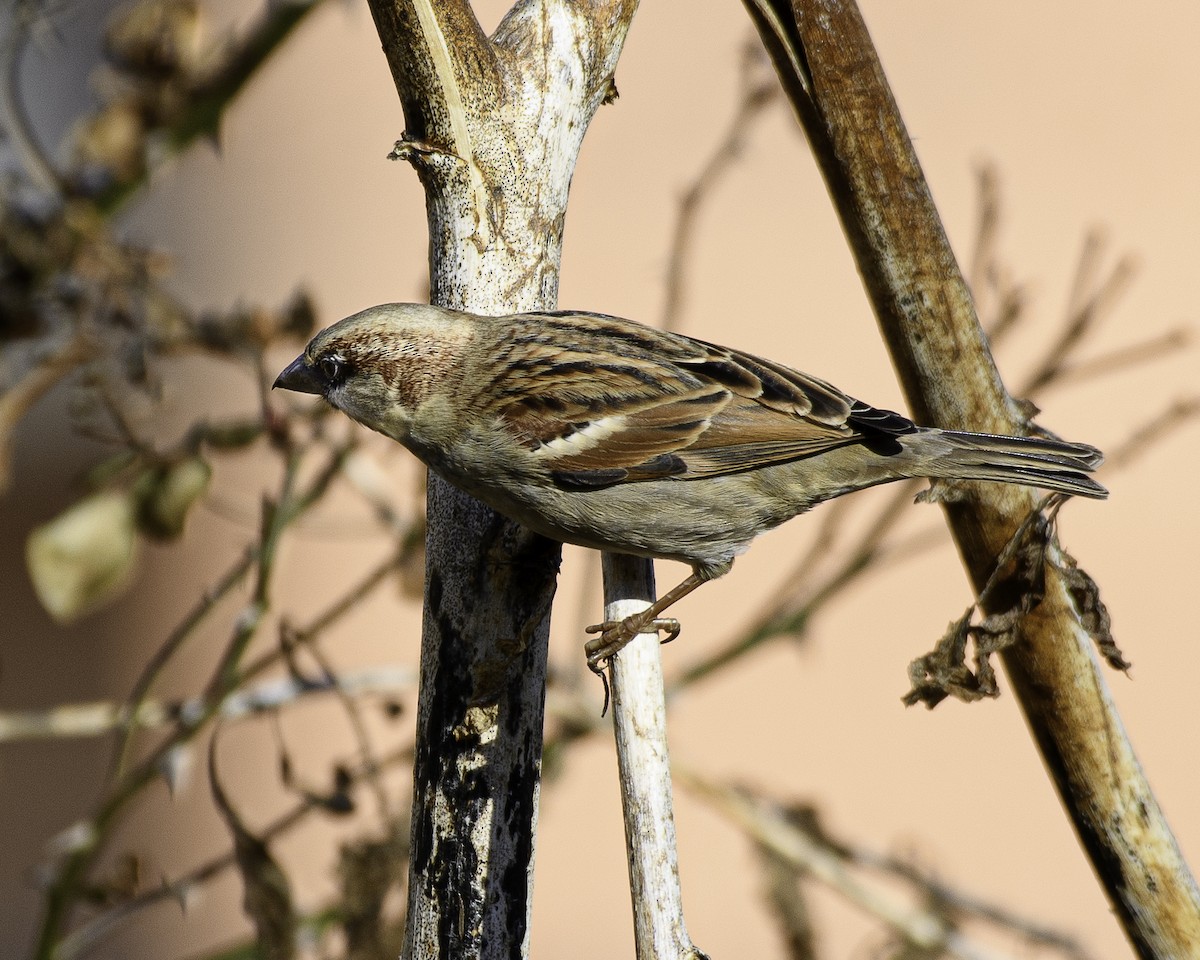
(1115, 361)
(640, 731)
(1145, 436)
(353, 710)
(758, 89)
(38, 167)
(797, 600)
(75, 720)
(18, 400)
(1091, 300)
(88, 935)
(72, 872)
(1036, 934)
(769, 827)
(309, 638)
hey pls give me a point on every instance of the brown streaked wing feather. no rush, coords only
(747, 435)
(774, 385)
(632, 434)
(602, 401)
(592, 393)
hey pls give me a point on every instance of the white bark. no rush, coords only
(640, 727)
(493, 129)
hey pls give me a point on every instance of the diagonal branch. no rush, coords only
(832, 75)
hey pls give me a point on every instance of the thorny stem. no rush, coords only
(353, 713)
(199, 118)
(101, 717)
(162, 656)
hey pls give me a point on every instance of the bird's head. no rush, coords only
(379, 366)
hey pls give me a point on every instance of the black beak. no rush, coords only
(301, 377)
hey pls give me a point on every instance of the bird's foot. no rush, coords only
(616, 634)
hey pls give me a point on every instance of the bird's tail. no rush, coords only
(1032, 461)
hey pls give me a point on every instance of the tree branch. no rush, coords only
(832, 75)
(494, 128)
(640, 726)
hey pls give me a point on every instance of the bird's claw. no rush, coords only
(615, 635)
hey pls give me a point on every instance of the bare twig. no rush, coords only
(801, 596)
(180, 889)
(74, 720)
(797, 600)
(770, 828)
(350, 706)
(1145, 436)
(1090, 301)
(205, 606)
(1133, 355)
(757, 90)
(953, 897)
(72, 872)
(38, 166)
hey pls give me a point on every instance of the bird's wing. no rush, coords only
(602, 401)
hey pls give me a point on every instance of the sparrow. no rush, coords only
(609, 434)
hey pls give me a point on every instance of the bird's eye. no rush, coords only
(333, 368)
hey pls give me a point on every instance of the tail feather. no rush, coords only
(1033, 461)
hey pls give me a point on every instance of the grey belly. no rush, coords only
(700, 522)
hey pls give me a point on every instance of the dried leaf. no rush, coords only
(1093, 614)
(945, 672)
(114, 140)
(157, 40)
(84, 556)
(167, 494)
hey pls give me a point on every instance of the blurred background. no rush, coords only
(1087, 119)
